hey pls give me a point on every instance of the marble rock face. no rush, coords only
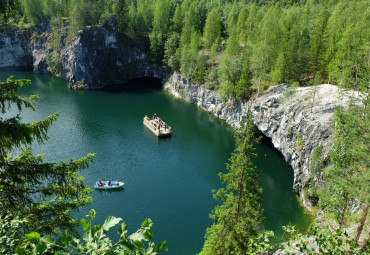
(296, 119)
(90, 59)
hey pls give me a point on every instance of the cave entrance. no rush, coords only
(145, 82)
(142, 84)
(268, 142)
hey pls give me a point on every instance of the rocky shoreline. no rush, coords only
(91, 59)
(297, 120)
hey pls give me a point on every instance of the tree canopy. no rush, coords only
(238, 219)
(303, 41)
(40, 191)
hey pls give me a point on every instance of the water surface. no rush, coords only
(168, 180)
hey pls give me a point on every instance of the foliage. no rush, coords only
(171, 53)
(237, 221)
(11, 233)
(32, 10)
(281, 41)
(317, 163)
(299, 143)
(160, 27)
(243, 88)
(327, 241)
(54, 62)
(347, 178)
(289, 92)
(44, 193)
(212, 28)
(7, 7)
(95, 240)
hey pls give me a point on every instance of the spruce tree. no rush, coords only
(43, 192)
(239, 217)
(346, 180)
(161, 23)
(7, 7)
(317, 44)
(212, 28)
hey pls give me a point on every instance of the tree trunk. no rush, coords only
(341, 221)
(362, 222)
(240, 191)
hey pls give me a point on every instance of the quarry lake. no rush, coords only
(167, 180)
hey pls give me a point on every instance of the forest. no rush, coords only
(238, 48)
(235, 47)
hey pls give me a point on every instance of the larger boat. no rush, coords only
(157, 126)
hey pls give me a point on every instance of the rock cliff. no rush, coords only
(14, 49)
(296, 119)
(94, 59)
(91, 59)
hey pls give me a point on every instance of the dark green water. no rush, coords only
(167, 180)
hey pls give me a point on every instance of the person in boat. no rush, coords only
(154, 116)
(109, 183)
(117, 183)
(100, 183)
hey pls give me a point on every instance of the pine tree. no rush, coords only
(177, 19)
(266, 50)
(231, 20)
(161, 23)
(33, 10)
(317, 44)
(243, 87)
(349, 67)
(346, 180)
(171, 53)
(239, 217)
(131, 19)
(242, 25)
(118, 9)
(44, 193)
(212, 28)
(7, 7)
(145, 15)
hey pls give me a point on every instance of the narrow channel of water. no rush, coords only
(167, 180)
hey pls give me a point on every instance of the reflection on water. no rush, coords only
(168, 180)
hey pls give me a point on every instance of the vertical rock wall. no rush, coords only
(14, 49)
(93, 58)
(296, 120)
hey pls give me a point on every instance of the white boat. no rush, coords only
(114, 185)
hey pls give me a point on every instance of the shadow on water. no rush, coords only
(140, 85)
(16, 69)
(153, 137)
(168, 180)
(109, 191)
(268, 142)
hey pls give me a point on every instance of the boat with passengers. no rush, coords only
(157, 126)
(106, 185)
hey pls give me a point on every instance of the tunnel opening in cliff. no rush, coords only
(140, 85)
(268, 142)
(145, 82)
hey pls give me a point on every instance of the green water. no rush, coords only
(167, 180)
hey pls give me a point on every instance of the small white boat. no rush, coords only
(114, 185)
